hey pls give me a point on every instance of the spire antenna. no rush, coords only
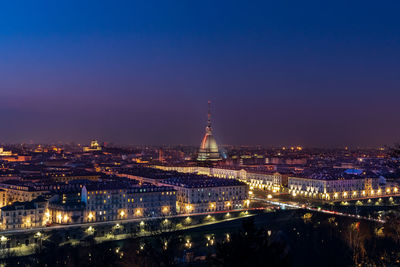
(209, 114)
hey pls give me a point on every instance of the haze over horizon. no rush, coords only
(279, 73)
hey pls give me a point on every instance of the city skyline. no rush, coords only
(199, 133)
(316, 74)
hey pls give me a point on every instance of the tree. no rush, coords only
(391, 227)
(252, 247)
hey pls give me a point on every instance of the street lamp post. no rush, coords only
(38, 235)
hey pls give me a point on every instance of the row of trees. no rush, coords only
(310, 240)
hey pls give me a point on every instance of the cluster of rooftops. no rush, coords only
(27, 205)
(337, 174)
(187, 180)
(172, 178)
(202, 181)
(130, 185)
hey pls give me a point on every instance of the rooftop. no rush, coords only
(202, 181)
(336, 174)
(189, 180)
(24, 205)
(130, 185)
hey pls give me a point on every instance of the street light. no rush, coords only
(138, 212)
(188, 244)
(188, 208)
(90, 230)
(3, 240)
(165, 209)
(38, 235)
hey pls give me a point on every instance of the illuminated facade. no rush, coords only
(18, 192)
(67, 214)
(5, 153)
(94, 146)
(3, 198)
(16, 158)
(118, 203)
(23, 215)
(267, 181)
(208, 148)
(66, 207)
(209, 194)
(195, 193)
(338, 189)
(71, 177)
(274, 182)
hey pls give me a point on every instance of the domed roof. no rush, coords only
(208, 143)
(208, 149)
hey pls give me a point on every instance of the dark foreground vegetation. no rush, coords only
(305, 239)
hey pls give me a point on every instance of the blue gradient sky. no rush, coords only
(140, 72)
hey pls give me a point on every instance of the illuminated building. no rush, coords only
(267, 181)
(17, 158)
(94, 146)
(40, 149)
(19, 191)
(20, 215)
(3, 198)
(81, 175)
(208, 148)
(5, 153)
(117, 201)
(10, 157)
(333, 184)
(196, 194)
(66, 207)
(108, 201)
(161, 155)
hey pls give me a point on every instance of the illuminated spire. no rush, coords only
(208, 128)
(209, 113)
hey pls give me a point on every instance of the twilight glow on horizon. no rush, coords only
(277, 72)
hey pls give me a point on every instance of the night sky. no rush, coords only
(312, 73)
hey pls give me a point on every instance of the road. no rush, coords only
(307, 207)
(67, 226)
(24, 250)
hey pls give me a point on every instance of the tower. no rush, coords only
(208, 148)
